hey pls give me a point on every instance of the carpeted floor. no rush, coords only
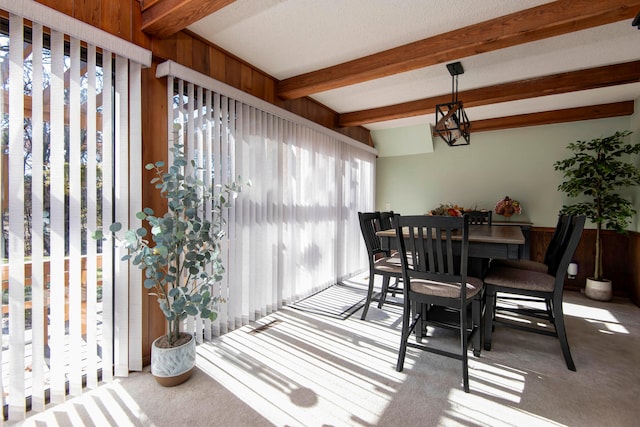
(338, 301)
(309, 369)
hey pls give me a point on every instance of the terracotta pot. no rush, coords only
(174, 365)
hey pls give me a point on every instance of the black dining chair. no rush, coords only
(544, 266)
(531, 285)
(384, 222)
(381, 261)
(479, 217)
(550, 257)
(435, 276)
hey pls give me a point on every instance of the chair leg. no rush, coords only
(550, 314)
(369, 296)
(385, 288)
(490, 303)
(421, 313)
(406, 331)
(562, 334)
(464, 343)
(476, 316)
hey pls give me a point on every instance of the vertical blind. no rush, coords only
(69, 139)
(295, 230)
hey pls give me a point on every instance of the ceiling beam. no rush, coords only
(166, 17)
(602, 111)
(548, 20)
(592, 78)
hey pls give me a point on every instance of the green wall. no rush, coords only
(514, 162)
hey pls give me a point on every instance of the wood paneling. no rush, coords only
(64, 6)
(619, 252)
(195, 53)
(634, 265)
(154, 148)
(118, 17)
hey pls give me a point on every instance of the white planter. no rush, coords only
(598, 289)
(173, 366)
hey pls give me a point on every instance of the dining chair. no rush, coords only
(479, 217)
(435, 276)
(384, 222)
(550, 257)
(536, 286)
(381, 261)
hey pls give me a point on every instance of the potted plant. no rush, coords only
(595, 173)
(182, 260)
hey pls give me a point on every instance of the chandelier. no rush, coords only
(452, 123)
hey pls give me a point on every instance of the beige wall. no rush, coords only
(515, 162)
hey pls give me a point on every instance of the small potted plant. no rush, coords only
(182, 260)
(595, 172)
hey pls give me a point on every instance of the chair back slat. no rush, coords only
(479, 217)
(438, 246)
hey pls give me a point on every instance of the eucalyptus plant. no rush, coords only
(183, 260)
(598, 169)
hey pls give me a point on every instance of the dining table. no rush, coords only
(485, 241)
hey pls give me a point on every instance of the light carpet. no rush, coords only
(305, 369)
(338, 301)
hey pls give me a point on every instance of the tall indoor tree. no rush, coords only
(595, 173)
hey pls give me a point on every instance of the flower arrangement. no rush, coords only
(448, 209)
(508, 207)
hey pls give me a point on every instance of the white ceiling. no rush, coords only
(285, 38)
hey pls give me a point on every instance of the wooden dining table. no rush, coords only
(485, 241)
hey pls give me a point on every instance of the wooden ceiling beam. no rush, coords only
(602, 111)
(592, 78)
(548, 20)
(166, 17)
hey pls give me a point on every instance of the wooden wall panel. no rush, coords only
(154, 131)
(634, 264)
(90, 11)
(64, 6)
(619, 252)
(193, 52)
(118, 17)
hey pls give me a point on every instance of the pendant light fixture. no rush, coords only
(452, 123)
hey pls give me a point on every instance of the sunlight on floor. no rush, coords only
(502, 382)
(299, 368)
(473, 409)
(596, 315)
(320, 372)
(107, 405)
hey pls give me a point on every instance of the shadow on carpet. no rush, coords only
(338, 301)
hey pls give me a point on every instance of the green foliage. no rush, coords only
(596, 171)
(183, 259)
